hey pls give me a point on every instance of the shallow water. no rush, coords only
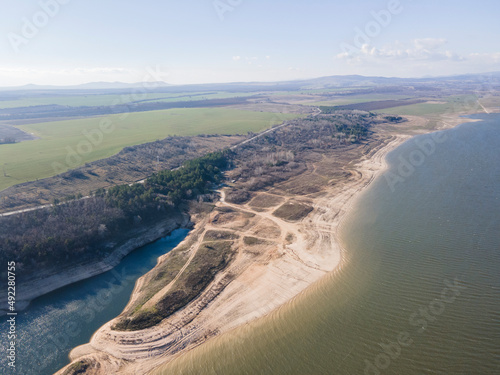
(57, 322)
(420, 292)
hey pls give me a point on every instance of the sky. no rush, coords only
(68, 42)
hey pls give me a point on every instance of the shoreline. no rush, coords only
(51, 282)
(143, 351)
(301, 310)
(329, 211)
(378, 157)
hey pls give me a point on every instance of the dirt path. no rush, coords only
(261, 277)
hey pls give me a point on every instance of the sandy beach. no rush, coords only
(262, 280)
(287, 257)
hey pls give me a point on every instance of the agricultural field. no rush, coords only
(436, 111)
(491, 101)
(81, 100)
(317, 91)
(454, 104)
(203, 96)
(64, 145)
(108, 100)
(355, 99)
(379, 105)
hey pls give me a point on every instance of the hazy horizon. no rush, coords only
(167, 84)
(63, 42)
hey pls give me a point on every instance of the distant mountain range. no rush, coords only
(357, 80)
(89, 86)
(314, 83)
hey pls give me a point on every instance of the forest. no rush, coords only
(85, 228)
(81, 230)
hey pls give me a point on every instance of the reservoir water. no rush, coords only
(57, 322)
(420, 291)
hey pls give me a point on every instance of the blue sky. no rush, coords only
(197, 41)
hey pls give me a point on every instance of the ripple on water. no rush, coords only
(440, 227)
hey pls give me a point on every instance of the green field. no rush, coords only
(81, 100)
(307, 91)
(441, 107)
(436, 111)
(30, 160)
(355, 99)
(204, 96)
(491, 101)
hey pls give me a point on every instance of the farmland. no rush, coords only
(31, 160)
(113, 99)
(355, 99)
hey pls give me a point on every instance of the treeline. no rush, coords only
(131, 164)
(169, 187)
(192, 180)
(81, 230)
(373, 106)
(55, 110)
(59, 235)
(8, 140)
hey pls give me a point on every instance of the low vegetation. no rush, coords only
(253, 241)
(217, 235)
(292, 211)
(372, 106)
(210, 258)
(284, 153)
(266, 201)
(238, 196)
(162, 275)
(77, 368)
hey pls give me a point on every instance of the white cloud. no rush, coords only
(429, 49)
(430, 43)
(493, 58)
(236, 58)
(418, 57)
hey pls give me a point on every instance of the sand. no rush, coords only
(255, 283)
